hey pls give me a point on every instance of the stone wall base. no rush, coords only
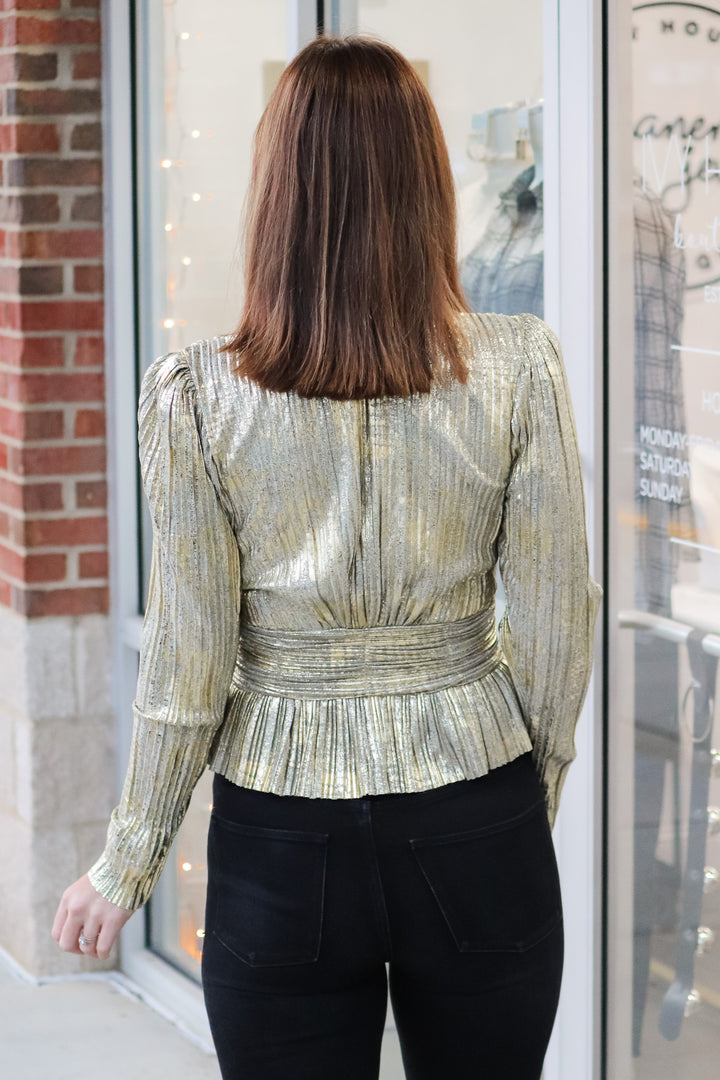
(57, 780)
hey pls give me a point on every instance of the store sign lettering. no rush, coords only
(658, 489)
(707, 240)
(665, 465)
(711, 401)
(673, 150)
(649, 156)
(672, 440)
(691, 28)
(697, 129)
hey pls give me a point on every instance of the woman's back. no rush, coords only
(374, 512)
(331, 631)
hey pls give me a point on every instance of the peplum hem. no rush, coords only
(348, 747)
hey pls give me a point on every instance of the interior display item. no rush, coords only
(659, 293)
(698, 603)
(496, 132)
(664, 507)
(711, 876)
(705, 940)
(663, 636)
(703, 667)
(504, 269)
(656, 885)
(504, 272)
(499, 143)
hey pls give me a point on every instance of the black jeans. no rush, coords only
(455, 888)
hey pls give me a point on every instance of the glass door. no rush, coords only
(664, 525)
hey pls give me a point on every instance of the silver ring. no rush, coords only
(86, 941)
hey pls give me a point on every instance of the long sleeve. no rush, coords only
(547, 630)
(189, 641)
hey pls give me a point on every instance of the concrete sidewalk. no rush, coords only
(84, 1026)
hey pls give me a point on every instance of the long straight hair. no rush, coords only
(351, 279)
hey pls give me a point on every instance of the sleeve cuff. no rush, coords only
(126, 887)
(127, 878)
(553, 779)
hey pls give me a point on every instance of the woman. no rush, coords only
(332, 488)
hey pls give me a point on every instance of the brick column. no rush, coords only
(56, 779)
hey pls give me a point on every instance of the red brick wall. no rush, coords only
(53, 525)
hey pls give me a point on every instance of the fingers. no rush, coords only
(90, 933)
(97, 938)
(60, 917)
(68, 940)
(104, 944)
(75, 919)
(83, 911)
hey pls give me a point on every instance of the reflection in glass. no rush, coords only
(670, 605)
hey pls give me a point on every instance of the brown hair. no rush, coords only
(352, 287)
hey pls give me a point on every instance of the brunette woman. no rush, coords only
(333, 487)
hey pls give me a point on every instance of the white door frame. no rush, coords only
(573, 204)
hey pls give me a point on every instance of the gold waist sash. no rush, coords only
(348, 662)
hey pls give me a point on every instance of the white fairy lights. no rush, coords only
(168, 164)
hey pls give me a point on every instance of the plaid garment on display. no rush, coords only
(504, 271)
(659, 274)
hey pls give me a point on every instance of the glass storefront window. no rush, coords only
(664, 520)
(206, 71)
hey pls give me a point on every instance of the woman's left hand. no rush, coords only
(83, 910)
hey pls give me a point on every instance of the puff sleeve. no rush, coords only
(189, 641)
(547, 630)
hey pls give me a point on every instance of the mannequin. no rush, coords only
(503, 271)
(492, 144)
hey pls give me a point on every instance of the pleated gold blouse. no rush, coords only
(321, 610)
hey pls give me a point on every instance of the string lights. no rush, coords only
(178, 223)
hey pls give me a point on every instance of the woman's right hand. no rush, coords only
(83, 910)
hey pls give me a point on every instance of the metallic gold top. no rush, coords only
(320, 618)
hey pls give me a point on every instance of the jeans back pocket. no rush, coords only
(266, 892)
(497, 886)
